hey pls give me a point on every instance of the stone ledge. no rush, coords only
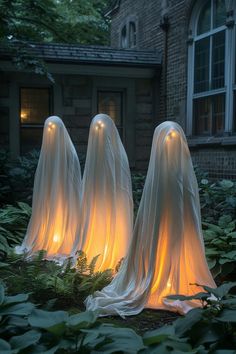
(211, 141)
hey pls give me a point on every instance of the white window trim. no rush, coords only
(229, 69)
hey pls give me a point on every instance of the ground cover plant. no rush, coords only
(34, 293)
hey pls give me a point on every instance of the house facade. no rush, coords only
(196, 40)
(88, 80)
(168, 60)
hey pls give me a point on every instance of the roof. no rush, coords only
(113, 8)
(88, 54)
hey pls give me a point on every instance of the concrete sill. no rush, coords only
(211, 141)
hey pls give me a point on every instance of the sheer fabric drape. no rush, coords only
(166, 254)
(107, 204)
(56, 195)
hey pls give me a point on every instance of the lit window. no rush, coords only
(210, 97)
(111, 103)
(34, 109)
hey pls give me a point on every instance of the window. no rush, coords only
(210, 95)
(111, 103)
(129, 35)
(34, 109)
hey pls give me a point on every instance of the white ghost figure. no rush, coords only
(56, 195)
(107, 203)
(166, 254)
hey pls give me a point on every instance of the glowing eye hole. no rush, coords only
(99, 122)
(168, 284)
(56, 238)
(50, 123)
(102, 125)
(53, 126)
(96, 127)
(168, 138)
(173, 134)
(49, 129)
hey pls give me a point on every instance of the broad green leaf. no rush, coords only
(22, 309)
(221, 291)
(121, 340)
(227, 315)
(2, 294)
(25, 340)
(16, 298)
(158, 335)
(4, 347)
(82, 320)
(184, 324)
(198, 296)
(224, 220)
(52, 321)
(226, 184)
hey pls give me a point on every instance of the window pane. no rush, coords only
(202, 116)
(124, 39)
(31, 138)
(132, 35)
(218, 60)
(209, 115)
(219, 16)
(34, 105)
(201, 71)
(111, 104)
(218, 113)
(204, 22)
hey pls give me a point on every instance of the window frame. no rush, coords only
(121, 92)
(229, 69)
(34, 126)
(126, 24)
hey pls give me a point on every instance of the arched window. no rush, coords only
(210, 68)
(128, 34)
(124, 37)
(132, 34)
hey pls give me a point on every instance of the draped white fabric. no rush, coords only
(166, 254)
(56, 195)
(107, 204)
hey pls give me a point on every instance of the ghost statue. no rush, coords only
(56, 195)
(107, 204)
(166, 255)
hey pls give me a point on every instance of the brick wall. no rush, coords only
(218, 161)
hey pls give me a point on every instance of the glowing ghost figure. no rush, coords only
(166, 254)
(107, 204)
(56, 195)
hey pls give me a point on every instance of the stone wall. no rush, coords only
(4, 112)
(77, 109)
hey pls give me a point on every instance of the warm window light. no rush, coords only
(56, 238)
(23, 115)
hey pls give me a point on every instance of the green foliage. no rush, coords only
(211, 329)
(138, 180)
(217, 199)
(47, 280)
(17, 177)
(26, 329)
(13, 225)
(220, 242)
(66, 21)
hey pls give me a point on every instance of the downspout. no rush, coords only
(164, 25)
